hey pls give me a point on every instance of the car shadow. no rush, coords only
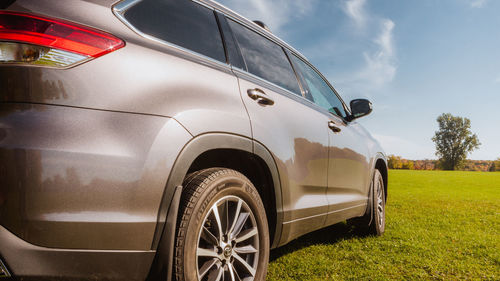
(328, 235)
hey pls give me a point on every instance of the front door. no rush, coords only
(348, 162)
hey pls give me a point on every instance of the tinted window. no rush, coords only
(181, 22)
(264, 58)
(232, 51)
(317, 90)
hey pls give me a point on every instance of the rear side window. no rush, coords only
(181, 22)
(264, 58)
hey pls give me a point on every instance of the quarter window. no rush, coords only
(264, 58)
(317, 89)
(181, 22)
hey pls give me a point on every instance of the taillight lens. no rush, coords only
(36, 40)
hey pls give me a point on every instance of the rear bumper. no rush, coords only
(26, 261)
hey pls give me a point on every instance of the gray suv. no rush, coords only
(168, 140)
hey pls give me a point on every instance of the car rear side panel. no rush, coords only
(84, 179)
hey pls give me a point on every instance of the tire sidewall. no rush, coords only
(227, 185)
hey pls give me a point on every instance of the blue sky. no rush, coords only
(413, 59)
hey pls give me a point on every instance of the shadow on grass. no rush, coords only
(329, 235)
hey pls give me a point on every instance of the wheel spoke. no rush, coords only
(236, 275)
(244, 263)
(245, 249)
(216, 275)
(379, 190)
(201, 252)
(225, 217)
(380, 205)
(209, 237)
(239, 224)
(380, 202)
(215, 211)
(206, 267)
(246, 234)
(236, 216)
(231, 272)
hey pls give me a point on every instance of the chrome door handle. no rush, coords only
(259, 96)
(334, 127)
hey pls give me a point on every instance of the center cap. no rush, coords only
(228, 251)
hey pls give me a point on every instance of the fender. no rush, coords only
(164, 237)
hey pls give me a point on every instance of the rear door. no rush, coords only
(348, 166)
(296, 134)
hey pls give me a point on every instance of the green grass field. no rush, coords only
(440, 226)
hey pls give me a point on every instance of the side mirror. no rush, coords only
(360, 108)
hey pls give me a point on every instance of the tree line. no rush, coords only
(397, 162)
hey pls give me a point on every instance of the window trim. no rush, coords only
(121, 7)
(264, 83)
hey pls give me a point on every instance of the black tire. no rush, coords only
(373, 222)
(211, 239)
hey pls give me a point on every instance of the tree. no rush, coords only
(495, 165)
(408, 165)
(394, 162)
(454, 140)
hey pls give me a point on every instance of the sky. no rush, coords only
(413, 59)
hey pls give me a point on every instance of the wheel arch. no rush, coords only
(218, 149)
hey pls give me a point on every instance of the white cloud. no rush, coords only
(380, 65)
(477, 3)
(275, 14)
(356, 11)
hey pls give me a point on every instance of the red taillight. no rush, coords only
(26, 38)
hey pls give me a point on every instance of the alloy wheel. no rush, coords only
(228, 242)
